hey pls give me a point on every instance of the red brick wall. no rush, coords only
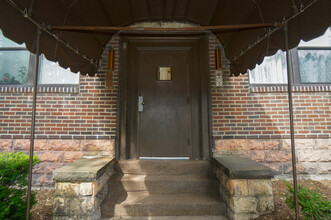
(240, 113)
(89, 113)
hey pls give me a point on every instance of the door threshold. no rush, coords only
(164, 158)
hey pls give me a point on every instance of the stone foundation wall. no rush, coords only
(313, 155)
(79, 190)
(247, 197)
(54, 154)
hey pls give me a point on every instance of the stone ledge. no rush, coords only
(243, 168)
(83, 170)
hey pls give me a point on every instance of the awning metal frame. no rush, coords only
(290, 105)
(33, 119)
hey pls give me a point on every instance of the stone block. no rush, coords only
(50, 167)
(102, 181)
(87, 204)
(243, 168)
(325, 156)
(308, 144)
(39, 168)
(75, 207)
(59, 207)
(299, 144)
(243, 204)
(64, 145)
(323, 144)
(237, 187)
(257, 155)
(240, 153)
(42, 179)
(287, 168)
(265, 204)
(83, 170)
(86, 189)
(276, 167)
(51, 156)
(101, 195)
(22, 145)
(221, 145)
(285, 144)
(97, 145)
(259, 187)
(40, 145)
(224, 179)
(263, 144)
(314, 156)
(6, 144)
(309, 167)
(278, 156)
(324, 168)
(67, 190)
(72, 156)
(225, 195)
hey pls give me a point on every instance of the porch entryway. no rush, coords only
(164, 102)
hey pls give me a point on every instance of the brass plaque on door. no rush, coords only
(164, 74)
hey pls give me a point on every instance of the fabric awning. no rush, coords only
(81, 51)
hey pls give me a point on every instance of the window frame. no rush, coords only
(296, 68)
(31, 71)
(296, 77)
(30, 77)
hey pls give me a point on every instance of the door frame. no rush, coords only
(127, 144)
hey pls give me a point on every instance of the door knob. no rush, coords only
(143, 103)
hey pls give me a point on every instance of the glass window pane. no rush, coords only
(52, 73)
(315, 66)
(271, 71)
(14, 67)
(5, 42)
(164, 74)
(323, 41)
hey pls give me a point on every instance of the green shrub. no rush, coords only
(313, 205)
(14, 168)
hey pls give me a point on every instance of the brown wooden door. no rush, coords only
(175, 119)
(164, 124)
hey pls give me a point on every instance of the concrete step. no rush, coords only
(163, 167)
(163, 184)
(146, 204)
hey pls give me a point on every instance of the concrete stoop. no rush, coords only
(165, 189)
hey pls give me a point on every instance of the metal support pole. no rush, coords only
(290, 104)
(35, 83)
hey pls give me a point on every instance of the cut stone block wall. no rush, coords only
(79, 196)
(313, 155)
(246, 198)
(56, 153)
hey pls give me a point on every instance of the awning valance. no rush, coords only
(81, 51)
